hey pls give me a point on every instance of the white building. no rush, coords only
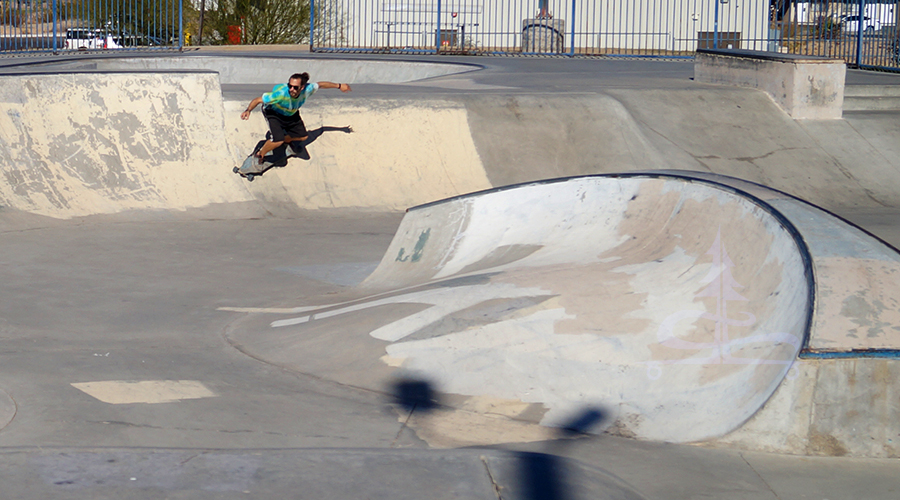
(598, 25)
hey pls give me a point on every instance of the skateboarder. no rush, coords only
(281, 109)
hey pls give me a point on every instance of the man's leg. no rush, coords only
(288, 139)
(267, 147)
(295, 130)
(276, 128)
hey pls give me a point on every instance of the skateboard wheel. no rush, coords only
(250, 177)
(235, 169)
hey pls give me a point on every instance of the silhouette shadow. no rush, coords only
(542, 476)
(534, 475)
(414, 395)
(583, 422)
(314, 134)
(279, 156)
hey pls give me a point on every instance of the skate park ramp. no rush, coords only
(260, 69)
(673, 307)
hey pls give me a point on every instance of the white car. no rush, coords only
(869, 25)
(110, 43)
(90, 39)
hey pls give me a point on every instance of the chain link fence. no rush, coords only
(28, 26)
(864, 33)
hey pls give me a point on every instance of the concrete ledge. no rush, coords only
(806, 87)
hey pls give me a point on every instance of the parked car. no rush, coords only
(110, 42)
(90, 39)
(81, 38)
(129, 40)
(869, 26)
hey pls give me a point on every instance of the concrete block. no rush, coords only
(806, 87)
(856, 409)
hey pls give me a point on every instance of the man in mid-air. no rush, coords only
(281, 108)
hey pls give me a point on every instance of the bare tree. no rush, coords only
(257, 22)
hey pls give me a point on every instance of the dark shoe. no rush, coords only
(295, 149)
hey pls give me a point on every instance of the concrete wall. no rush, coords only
(81, 144)
(805, 87)
(853, 162)
(144, 128)
(829, 407)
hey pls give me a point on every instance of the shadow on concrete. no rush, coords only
(312, 135)
(527, 475)
(414, 395)
(316, 133)
(543, 475)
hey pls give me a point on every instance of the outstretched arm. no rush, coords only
(254, 103)
(343, 87)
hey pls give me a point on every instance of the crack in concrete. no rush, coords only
(774, 494)
(490, 476)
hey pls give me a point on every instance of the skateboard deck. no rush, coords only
(252, 168)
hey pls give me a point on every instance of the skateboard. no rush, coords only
(252, 168)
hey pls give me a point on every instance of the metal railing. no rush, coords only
(57, 26)
(649, 28)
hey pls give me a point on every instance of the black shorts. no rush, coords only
(282, 126)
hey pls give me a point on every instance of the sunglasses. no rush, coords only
(295, 87)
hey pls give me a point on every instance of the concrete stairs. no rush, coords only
(872, 98)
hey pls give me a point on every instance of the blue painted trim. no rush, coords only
(868, 353)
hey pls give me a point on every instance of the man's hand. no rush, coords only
(343, 87)
(254, 103)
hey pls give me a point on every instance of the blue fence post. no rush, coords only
(312, 25)
(860, 29)
(53, 7)
(437, 30)
(180, 24)
(716, 26)
(572, 31)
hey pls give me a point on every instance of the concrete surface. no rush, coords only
(806, 87)
(139, 294)
(641, 298)
(110, 299)
(254, 69)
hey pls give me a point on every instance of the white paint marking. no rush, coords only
(121, 392)
(290, 322)
(273, 310)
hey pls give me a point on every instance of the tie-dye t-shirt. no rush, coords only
(280, 100)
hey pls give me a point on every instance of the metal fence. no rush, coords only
(70, 25)
(653, 28)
